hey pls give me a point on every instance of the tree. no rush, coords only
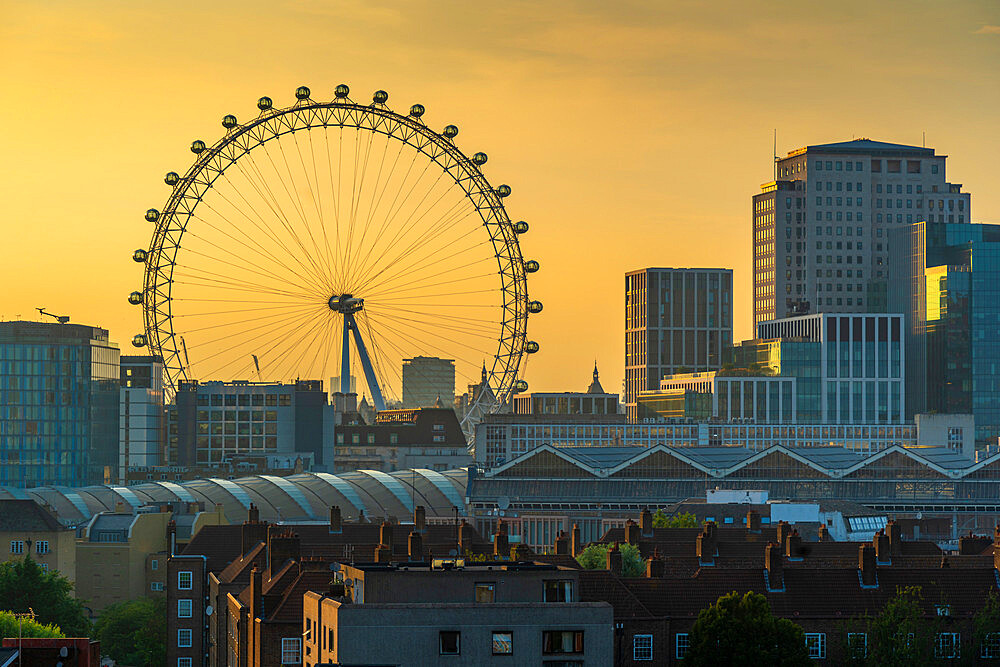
(740, 631)
(901, 634)
(986, 626)
(595, 557)
(12, 626)
(134, 632)
(686, 520)
(25, 586)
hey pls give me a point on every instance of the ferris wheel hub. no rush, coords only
(345, 304)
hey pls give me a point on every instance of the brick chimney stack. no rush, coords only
(774, 566)
(793, 546)
(385, 535)
(282, 546)
(254, 530)
(253, 514)
(256, 594)
(753, 521)
(646, 522)
(501, 545)
(562, 544)
(171, 537)
(615, 560)
(464, 537)
(632, 532)
(415, 546)
(656, 567)
(420, 519)
(881, 544)
(895, 538)
(576, 546)
(336, 520)
(784, 530)
(866, 565)
(996, 547)
(705, 547)
(823, 534)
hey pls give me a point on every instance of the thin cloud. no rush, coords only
(988, 30)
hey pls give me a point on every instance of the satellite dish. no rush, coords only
(452, 552)
(208, 610)
(503, 502)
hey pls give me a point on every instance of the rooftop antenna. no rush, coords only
(923, 139)
(187, 362)
(62, 319)
(774, 153)
(256, 364)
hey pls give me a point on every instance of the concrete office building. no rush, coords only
(428, 381)
(59, 394)
(676, 320)
(820, 228)
(215, 421)
(140, 413)
(945, 279)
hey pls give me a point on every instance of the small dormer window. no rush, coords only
(943, 609)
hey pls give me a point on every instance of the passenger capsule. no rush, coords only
(152, 215)
(380, 97)
(302, 93)
(341, 91)
(229, 121)
(534, 306)
(135, 298)
(265, 103)
(451, 131)
(521, 227)
(172, 178)
(531, 266)
(531, 347)
(139, 256)
(139, 340)
(479, 159)
(417, 110)
(197, 146)
(503, 190)
(520, 386)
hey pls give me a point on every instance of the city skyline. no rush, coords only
(539, 82)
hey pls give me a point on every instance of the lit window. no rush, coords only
(449, 642)
(503, 643)
(184, 638)
(184, 580)
(42, 546)
(291, 650)
(17, 546)
(642, 647)
(682, 643)
(184, 609)
(816, 645)
(942, 609)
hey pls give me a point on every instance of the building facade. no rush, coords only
(28, 529)
(140, 413)
(59, 395)
(429, 438)
(216, 421)
(820, 227)
(427, 381)
(945, 278)
(676, 320)
(595, 401)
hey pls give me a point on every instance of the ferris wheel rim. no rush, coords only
(306, 115)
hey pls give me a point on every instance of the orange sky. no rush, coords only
(633, 134)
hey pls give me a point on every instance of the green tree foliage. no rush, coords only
(24, 585)
(686, 520)
(741, 630)
(134, 632)
(901, 634)
(986, 623)
(13, 626)
(595, 557)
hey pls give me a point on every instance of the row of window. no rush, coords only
(17, 546)
(554, 642)
(231, 400)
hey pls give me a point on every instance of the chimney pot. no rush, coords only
(646, 522)
(415, 546)
(419, 519)
(866, 564)
(562, 544)
(615, 560)
(882, 549)
(773, 564)
(753, 521)
(632, 532)
(656, 567)
(576, 547)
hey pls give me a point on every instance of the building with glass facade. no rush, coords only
(676, 321)
(427, 380)
(820, 227)
(945, 278)
(59, 396)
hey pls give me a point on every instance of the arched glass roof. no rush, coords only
(127, 495)
(344, 488)
(234, 489)
(179, 491)
(394, 486)
(293, 492)
(443, 485)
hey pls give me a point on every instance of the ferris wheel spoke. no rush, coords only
(216, 313)
(366, 223)
(480, 325)
(222, 280)
(379, 361)
(409, 274)
(270, 316)
(246, 266)
(357, 186)
(280, 338)
(319, 210)
(430, 321)
(322, 250)
(423, 286)
(407, 334)
(300, 316)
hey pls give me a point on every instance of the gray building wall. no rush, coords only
(140, 413)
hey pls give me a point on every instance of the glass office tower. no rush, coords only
(59, 391)
(947, 284)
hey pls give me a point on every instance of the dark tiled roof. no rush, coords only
(220, 545)
(26, 516)
(601, 585)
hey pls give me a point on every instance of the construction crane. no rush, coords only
(62, 319)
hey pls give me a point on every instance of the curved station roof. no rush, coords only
(301, 497)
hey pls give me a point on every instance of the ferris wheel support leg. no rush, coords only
(366, 362)
(345, 361)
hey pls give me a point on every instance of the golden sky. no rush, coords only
(632, 133)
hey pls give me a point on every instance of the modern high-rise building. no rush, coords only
(945, 278)
(140, 413)
(427, 380)
(59, 395)
(820, 227)
(676, 321)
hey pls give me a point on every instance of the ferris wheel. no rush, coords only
(330, 226)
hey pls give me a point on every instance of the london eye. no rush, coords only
(337, 238)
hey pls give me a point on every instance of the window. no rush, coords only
(184, 638)
(503, 643)
(642, 647)
(184, 580)
(948, 645)
(990, 647)
(558, 591)
(816, 645)
(291, 650)
(449, 642)
(485, 592)
(42, 546)
(184, 662)
(184, 609)
(154, 564)
(156, 586)
(562, 641)
(942, 609)
(857, 644)
(681, 645)
(17, 546)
